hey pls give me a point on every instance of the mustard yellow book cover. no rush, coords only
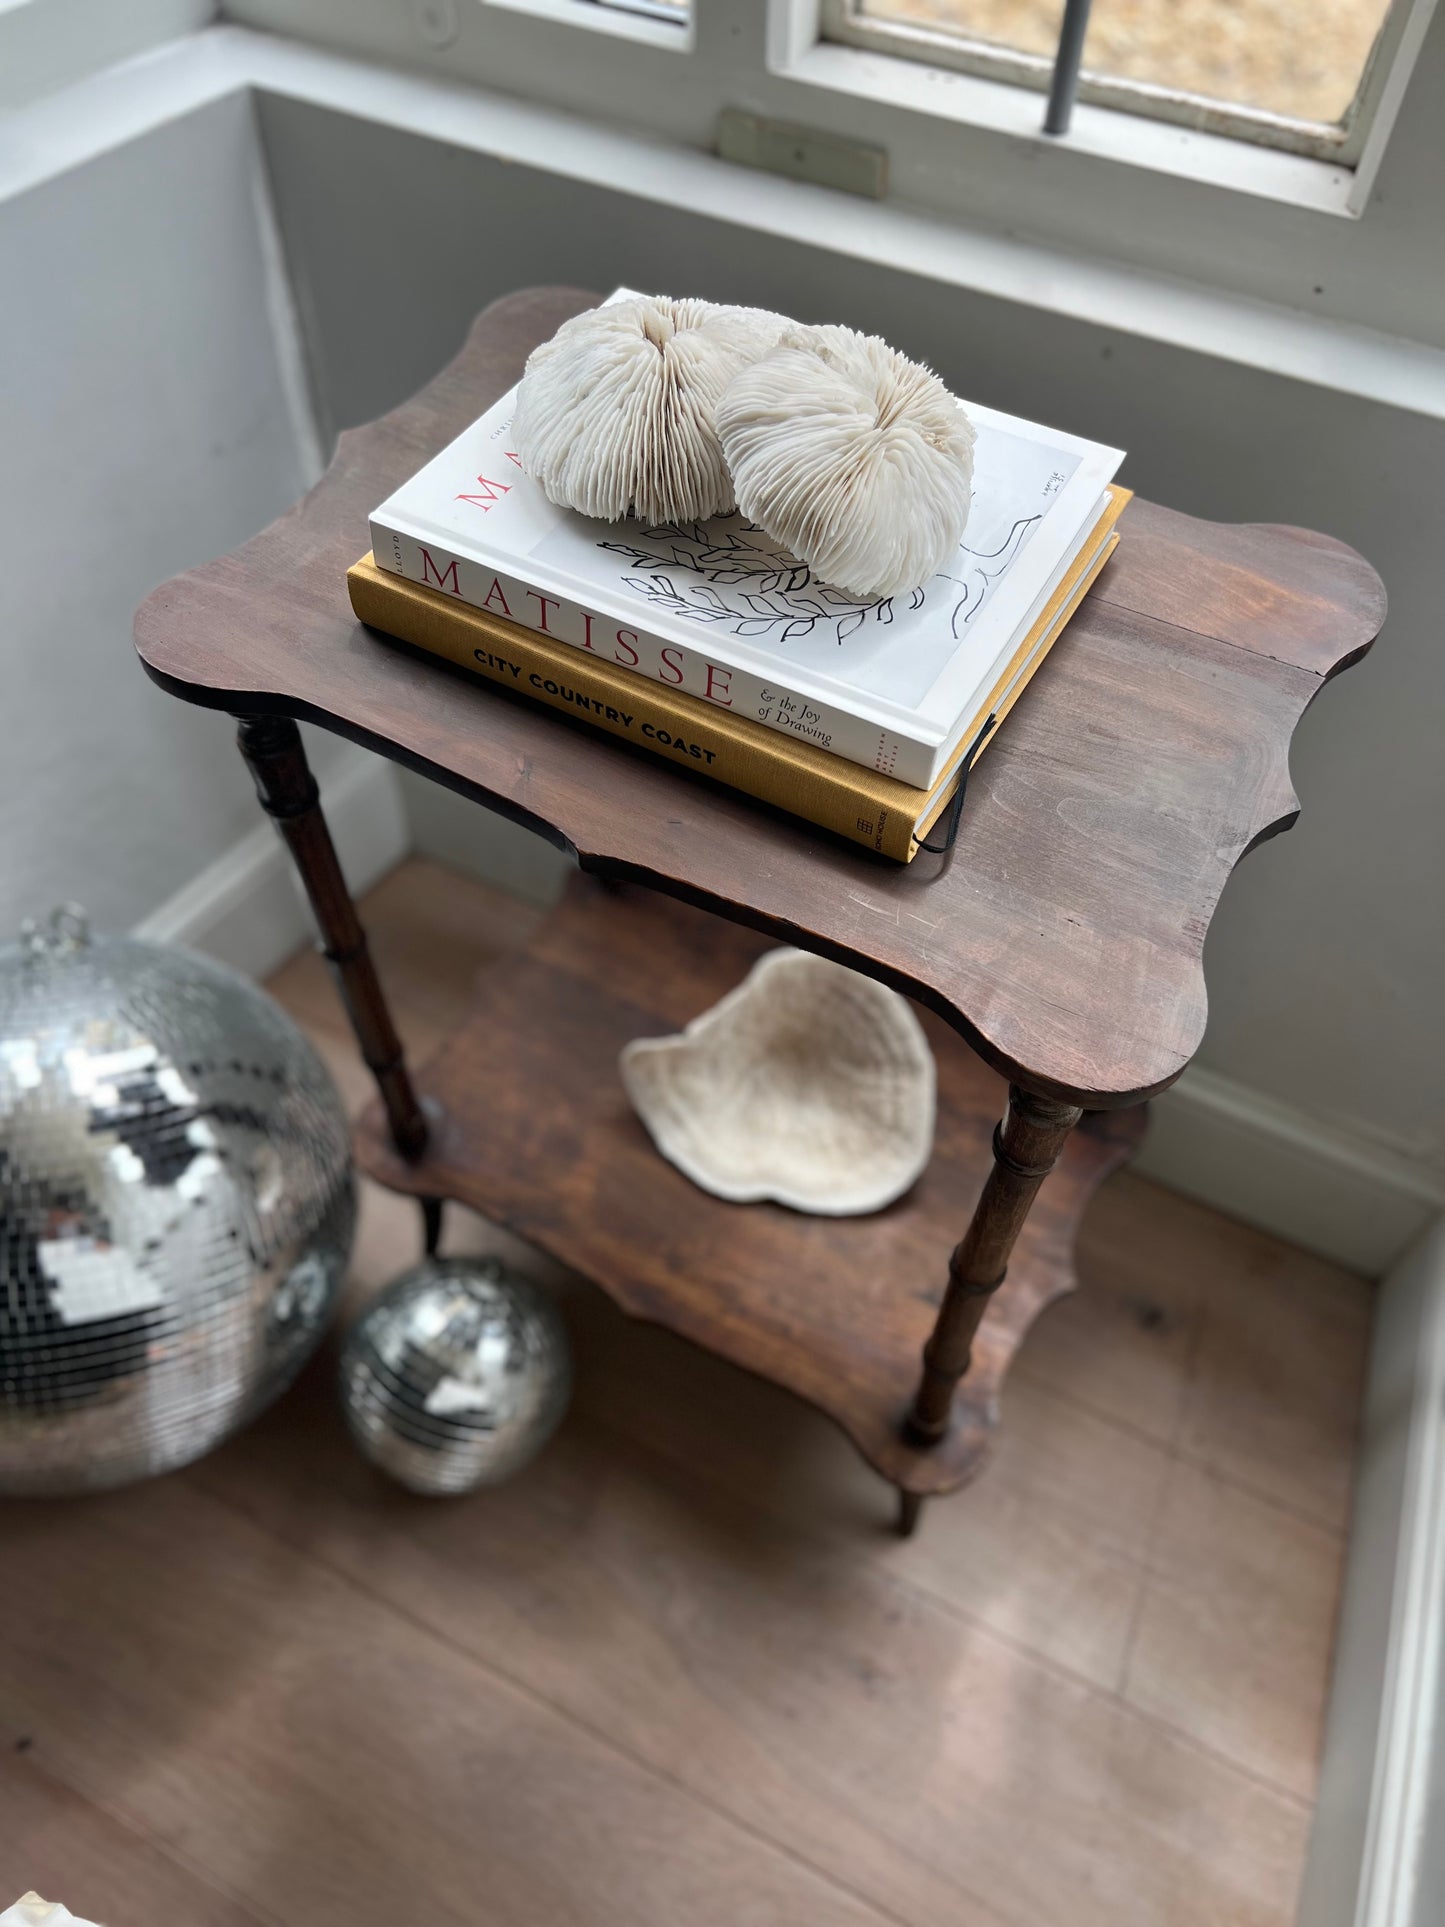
(858, 803)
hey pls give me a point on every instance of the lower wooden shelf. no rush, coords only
(533, 1130)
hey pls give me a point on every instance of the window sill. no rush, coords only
(1339, 352)
(1102, 133)
(595, 16)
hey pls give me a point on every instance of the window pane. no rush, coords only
(1299, 58)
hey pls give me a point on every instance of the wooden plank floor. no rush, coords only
(680, 1671)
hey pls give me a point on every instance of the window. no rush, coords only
(1287, 73)
(974, 192)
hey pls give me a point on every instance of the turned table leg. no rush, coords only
(276, 759)
(1026, 1147)
(910, 1504)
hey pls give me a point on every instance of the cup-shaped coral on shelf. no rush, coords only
(808, 1084)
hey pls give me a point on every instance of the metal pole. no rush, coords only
(1065, 83)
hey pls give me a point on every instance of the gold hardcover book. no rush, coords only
(861, 804)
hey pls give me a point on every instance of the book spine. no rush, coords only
(674, 727)
(673, 664)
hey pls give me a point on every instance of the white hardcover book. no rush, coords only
(718, 610)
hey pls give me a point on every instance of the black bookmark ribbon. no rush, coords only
(954, 814)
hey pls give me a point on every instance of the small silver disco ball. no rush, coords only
(456, 1375)
(176, 1206)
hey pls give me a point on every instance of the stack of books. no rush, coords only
(705, 644)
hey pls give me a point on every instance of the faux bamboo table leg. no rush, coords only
(1026, 1146)
(276, 758)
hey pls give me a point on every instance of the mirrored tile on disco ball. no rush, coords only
(176, 1207)
(457, 1375)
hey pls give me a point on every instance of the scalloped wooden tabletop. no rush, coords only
(1063, 938)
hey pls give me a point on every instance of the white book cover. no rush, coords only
(717, 609)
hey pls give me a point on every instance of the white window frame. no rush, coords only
(969, 168)
(821, 45)
(1344, 143)
(798, 32)
(735, 53)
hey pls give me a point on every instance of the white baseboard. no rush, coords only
(1277, 1167)
(247, 909)
(1375, 1857)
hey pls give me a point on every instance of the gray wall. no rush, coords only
(145, 426)
(1325, 957)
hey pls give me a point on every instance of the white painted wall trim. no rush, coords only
(47, 44)
(1166, 199)
(98, 113)
(1373, 1860)
(1277, 1167)
(312, 439)
(1131, 301)
(247, 908)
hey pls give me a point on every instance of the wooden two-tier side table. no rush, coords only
(1058, 949)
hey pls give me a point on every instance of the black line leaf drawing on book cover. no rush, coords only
(729, 573)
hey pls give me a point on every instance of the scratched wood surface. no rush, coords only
(532, 1128)
(1064, 940)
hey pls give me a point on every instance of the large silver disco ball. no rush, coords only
(456, 1375)
(176, 1206)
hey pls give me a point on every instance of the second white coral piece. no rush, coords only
(615, 414)
(856, 459)
(808, 1084)
(31, 1911)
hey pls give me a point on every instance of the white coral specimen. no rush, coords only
(31, 1911)
(808, 1083)
(615, 412)
(852, 456)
